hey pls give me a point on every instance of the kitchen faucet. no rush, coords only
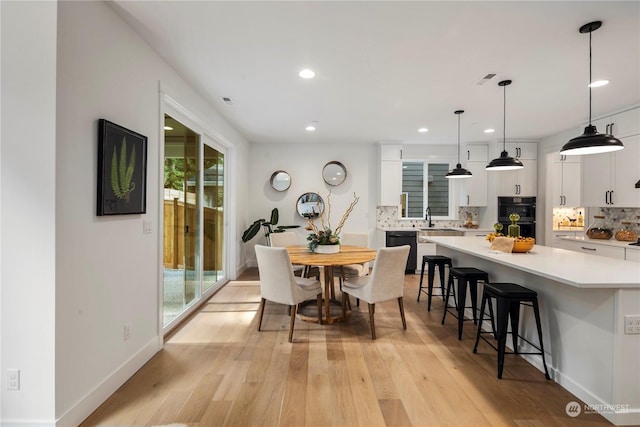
(427, 217)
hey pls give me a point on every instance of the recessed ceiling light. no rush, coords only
(168, 128)
(599, 83)
(307, 74)
(489, 130)
(423, 130)
(310, 128)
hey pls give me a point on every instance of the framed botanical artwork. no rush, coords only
(122, 170)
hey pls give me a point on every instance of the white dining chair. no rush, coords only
(353, 270)
(385, 282)
(278, 284)
(289, 238)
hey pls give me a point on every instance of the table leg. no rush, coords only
(328, 279)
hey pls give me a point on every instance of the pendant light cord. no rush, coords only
(504, 120)
(458, 138)
(590, 78)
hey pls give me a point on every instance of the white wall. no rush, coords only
(70, 280)
(304, 162)
(27, 244)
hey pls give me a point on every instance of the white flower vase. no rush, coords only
(327, 249)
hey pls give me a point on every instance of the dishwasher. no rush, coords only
(401, 238)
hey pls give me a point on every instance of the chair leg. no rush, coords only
(345, 298)
(320, 309)
(401, 305)
(292, 322)
(260, 312)
(372, 311)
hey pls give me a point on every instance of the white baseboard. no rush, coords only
(85, 406)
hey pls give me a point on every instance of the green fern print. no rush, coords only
(122, 172)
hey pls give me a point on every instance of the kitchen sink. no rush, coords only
(441, 232)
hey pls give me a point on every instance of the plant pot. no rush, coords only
(327, 249)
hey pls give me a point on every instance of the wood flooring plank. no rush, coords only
(218, 370)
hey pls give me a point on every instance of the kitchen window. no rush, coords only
(424, 184)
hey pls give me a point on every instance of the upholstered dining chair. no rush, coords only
(353, 270)
(278, 284)
(284, 239)
(385, 282)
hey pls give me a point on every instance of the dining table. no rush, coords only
(348, 254)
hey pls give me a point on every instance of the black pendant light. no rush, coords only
(504, 162)
(459, 171)
(591, 142)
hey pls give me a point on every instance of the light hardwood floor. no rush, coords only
(217, 370)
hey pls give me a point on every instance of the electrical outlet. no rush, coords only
(146, 227)
(127, 331)
(13, 379)
(632, 324)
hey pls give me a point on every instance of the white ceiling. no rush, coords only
(386, 68)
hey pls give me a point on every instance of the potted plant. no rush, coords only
(325, 239)
(253, 229)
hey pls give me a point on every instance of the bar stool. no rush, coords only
(465, 276)
(509, 297)
(433, 261)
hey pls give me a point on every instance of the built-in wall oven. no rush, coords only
(523, 206)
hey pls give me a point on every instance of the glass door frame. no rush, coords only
(175, 110)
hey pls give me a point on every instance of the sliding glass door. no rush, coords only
(193, 213)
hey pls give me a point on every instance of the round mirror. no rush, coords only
(310, 205)
(280, 181)
(334, 173)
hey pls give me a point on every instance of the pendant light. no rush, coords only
(459, 171)
(591, 142)
(504, 162)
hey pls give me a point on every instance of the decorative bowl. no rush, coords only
(523, 244)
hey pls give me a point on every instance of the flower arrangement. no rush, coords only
(325, 235)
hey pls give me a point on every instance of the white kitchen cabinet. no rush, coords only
(477, 153)
(632, 255)
(566, 173)
(521, 182)
(609, 179)
(390, 152)
(390, 182)
(473, 191)
(619, 125)
(592, 248)
(520, 150)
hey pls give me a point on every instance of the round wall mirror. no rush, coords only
(310, 205)
(334, 173)
(280, 181)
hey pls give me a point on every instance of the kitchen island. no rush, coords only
(583, 301)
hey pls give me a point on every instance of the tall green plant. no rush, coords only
(122, 171)
(253, 229)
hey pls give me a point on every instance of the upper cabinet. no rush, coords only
(620, 125)
(521, 182)
(521, 150)
(390, 174)
(566, 180)
(609, 179)
(473, 191)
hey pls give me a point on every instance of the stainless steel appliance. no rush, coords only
(523, 206)
(401, 238)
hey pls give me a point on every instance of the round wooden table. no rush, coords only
(348, 255)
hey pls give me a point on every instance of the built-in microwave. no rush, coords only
(523, 206)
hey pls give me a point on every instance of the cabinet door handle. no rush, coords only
(468, 201)
(468, 155)
(606, 197)
(588, 249)
(611, 197)
(611, 128)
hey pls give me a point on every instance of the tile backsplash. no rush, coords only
(613, 217)
(387, 218)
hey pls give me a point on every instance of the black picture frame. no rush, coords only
(122, 174)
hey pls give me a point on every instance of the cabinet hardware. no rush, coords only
(611, 128)
(468, 155)
(588, 249)
(468, 200)
(611, 197)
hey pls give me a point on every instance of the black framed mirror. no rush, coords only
(280, 180)
(334, 173)
(310, 205)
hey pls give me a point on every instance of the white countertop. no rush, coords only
(610, 242)
(569, 267)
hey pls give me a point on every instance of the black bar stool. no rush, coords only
(509, 297)
(433, 261)
(465, 276)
